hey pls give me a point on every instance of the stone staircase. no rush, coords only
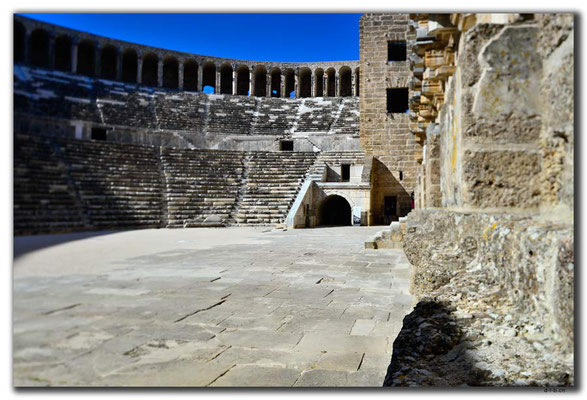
(272, 183)
(202, 186)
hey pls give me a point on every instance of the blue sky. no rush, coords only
(259, 37)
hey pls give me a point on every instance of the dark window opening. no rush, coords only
(401, 175)
(39, 50)
(129, 66)
(260, 89)
(290, 83)
(19, 42)
(150, 70)
(345, 82)
(286, 145)
(86, 59)
(63, 53)
(99, 133)
(275, 83)
(345, 172)
(305, 82)
(319, 83)
(171, 73)
(397, 100)
(226, 79)
(109, 63)
(190, 76)
(242, 81)
(396, 51)
(331, 83)
(209, 77)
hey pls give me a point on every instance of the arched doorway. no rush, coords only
(334, 210)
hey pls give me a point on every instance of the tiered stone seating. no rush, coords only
(181, 111)
(44, 198)
(317, 115)
(275, 116)
(335, 159)
(126, 105)
(348, 120)
(119, 184)
(272, 182)
(230, 114)
(202, 185)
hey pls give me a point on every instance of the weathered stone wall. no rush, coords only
(386, 135)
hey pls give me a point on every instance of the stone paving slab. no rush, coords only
(206, 307)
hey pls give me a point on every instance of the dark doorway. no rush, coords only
(286, 145)
(345, 172)
(99, 134)
(335, 210)
(390, 209)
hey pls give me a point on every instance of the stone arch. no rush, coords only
(226, 78)
(39, 48)
(242, 80)
(170, 73)
(86, 58)
(109, 62)
(209, 76)
(357, 80)
(305, 82)
(19, 42)
(150, 74)
(345, 81)
(129, 66)
(63, 53)
(335, 210)
(290, 82)
(330, 82)
(190, 75)
(260, 74)
(319, 82)
(275, 82)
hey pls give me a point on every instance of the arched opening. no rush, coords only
(305, 82)
(86, 59)
(334, 210)
(260, 89)
(345, 82)
(129, 66)
(19, 42)
(63, 53)
(330, 82)
(149, 76)
(242, 80)
(170, 73)
(39, 48)
(290, 83)
(275, 82)
(357, 80)
(209, 77)
(319, 84)
(109, 62)
(190, 75)
(226, 79)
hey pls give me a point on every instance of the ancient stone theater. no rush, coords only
(454, 133)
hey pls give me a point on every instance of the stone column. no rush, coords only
(97, 54)
(282, 85)
(251, 82)
(160, 73)
(217, 84)
(180, 75)
(119, 64)
(234, 80)
(313, 84)
(200, 75)
(73, 57)
(139, 68)
(297, 84)
(336, 84)
(268, 85)
(352, 84)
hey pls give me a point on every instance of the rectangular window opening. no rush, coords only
(345, 172)
(99, 134)
(401, 175)
(396, 51)
(397, 100)
(286, 145)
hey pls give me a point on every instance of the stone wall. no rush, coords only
(384, 135)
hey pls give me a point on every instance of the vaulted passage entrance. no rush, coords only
(334, 210)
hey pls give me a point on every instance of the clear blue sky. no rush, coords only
(259, 37)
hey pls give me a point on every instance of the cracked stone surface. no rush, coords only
(206, 307)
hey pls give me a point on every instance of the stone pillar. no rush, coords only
(234, 80)
(336, 84)
(119, 64)
(160, 73)
(282, 85)
(180, 75)
(353, 84)
(200, 75)
(251, 82)
(139, 68)
(97, 54)
(297, 84)
(313, 84)
(51, 51)
(217, 84)
(268, 85)
(73, 57)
